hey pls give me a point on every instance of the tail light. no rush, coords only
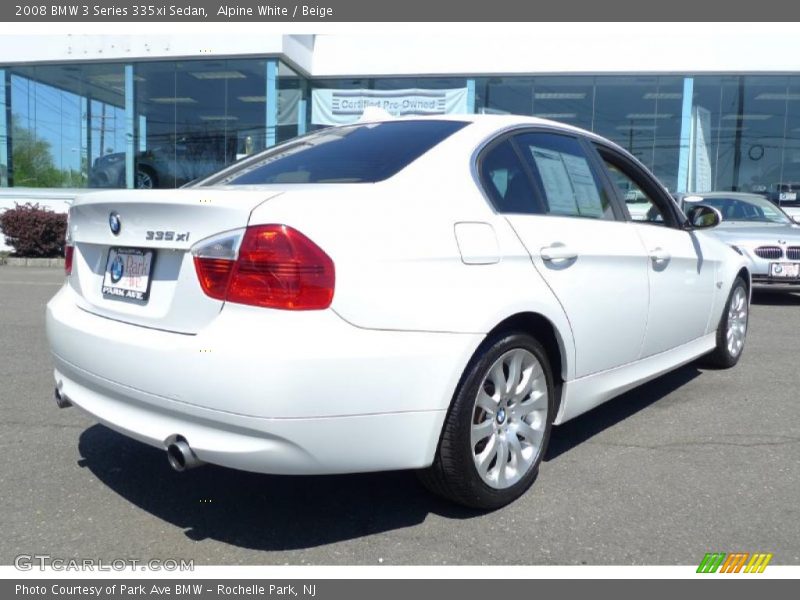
(214, 259)
(274, 266)
(68, 252)
(69, 248)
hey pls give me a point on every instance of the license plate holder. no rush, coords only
(128, 274)
(784, 270)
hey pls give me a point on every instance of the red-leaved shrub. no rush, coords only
(34, 231)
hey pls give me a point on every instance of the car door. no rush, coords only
(681, 273)
(546, 184)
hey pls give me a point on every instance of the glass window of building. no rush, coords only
(195, 117)
(291, 109)
(738, 133)
(627, 112)
(61, 119)
(504, 95)
(786, 187)
(164, 123)
(566, 99)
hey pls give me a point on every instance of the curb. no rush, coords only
(13, 261)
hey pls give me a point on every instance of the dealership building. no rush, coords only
(705, 106)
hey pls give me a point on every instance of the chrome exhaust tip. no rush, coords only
(180, 455)
(62, 401)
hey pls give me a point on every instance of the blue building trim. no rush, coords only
(272, 102)
(471, 96)
(5, 151)
(686, 134)
(130, 128)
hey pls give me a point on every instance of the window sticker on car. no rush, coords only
(568, 183)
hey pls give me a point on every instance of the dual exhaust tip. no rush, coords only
(179, 454)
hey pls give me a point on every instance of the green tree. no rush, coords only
(31, 160)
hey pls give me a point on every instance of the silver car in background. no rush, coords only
(760, 231)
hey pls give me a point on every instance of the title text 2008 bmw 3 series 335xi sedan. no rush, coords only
(414, 293)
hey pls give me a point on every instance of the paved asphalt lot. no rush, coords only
(695, 461)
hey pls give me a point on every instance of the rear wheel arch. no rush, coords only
(506, 416)
(543, 330)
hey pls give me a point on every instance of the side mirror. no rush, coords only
(703, 216)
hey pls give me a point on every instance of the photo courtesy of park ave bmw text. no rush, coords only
(288, 287)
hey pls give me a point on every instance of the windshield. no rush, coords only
(363, 153)
(756, 210)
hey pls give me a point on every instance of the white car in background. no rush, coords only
(758, 230)
(418, 293)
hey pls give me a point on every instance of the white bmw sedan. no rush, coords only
(418, 293)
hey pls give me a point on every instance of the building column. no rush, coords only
(130, 129)
(471, 96)
(686, 136)
(86, 135)
(5, 123)
(272, 102)
(302, 108)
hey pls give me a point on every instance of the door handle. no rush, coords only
(659, 255)
(554, 252)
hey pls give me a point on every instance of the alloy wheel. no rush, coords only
(737, 322)
(509, 419)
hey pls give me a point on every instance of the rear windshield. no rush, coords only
(363, 153)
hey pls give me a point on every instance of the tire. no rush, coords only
(732, 330)
(485, 418)
(145, 179)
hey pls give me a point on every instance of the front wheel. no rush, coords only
(498, 427)
(732, 330)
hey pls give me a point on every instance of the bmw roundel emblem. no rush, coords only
(114, 223)
(117, 269)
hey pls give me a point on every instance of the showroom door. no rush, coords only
(681, 275)
(592, 260)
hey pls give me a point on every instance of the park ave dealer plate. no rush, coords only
(127, 273)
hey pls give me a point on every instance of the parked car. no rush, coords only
(165, 165)
(781, 185)
(761, 232)
(416, 293)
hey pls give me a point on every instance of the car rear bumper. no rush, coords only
(264, 391)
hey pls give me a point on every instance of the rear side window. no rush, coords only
(569, 181)
(504, 179)
(354, 154)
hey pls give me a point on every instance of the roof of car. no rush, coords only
(498, 123)
(723, 194)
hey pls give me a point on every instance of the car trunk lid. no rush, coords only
(144, 273)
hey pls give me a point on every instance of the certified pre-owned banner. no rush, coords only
(339, 107)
